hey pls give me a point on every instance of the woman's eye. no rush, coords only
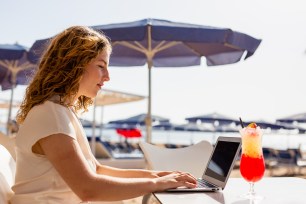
(102, 67)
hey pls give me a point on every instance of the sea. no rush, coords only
(277, 140)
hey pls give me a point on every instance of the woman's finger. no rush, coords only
(186, 178)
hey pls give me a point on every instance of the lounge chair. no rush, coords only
(287, 159)
(106, 155)
(301, 158)
(270, 156)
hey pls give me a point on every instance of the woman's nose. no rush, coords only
(106, 76)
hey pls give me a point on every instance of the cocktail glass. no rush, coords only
(252, 164)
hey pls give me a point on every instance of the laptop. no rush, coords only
(219, 166)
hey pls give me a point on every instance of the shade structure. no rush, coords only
(88, 124)
(300, 118)
(112, 97)
(212, 118)
(108, 97)
(267, 125)
(15, 68)
(161, 43)
(226, 128)
(140, 120)
(193, 127)
(165, 126)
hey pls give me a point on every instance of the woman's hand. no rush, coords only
(167, 180)
(156, 174)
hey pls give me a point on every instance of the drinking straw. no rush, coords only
(241, 123)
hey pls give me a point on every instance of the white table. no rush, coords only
(280, 190)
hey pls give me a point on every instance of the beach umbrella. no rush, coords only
(219, 122)
(273, 126)
(298, 118)
(193, 127)
(226, 128)
(15, 69)
(87, 123)
(140, 120)
(161, 43)
(163, 126)
(212, 118)
(294, 121)
(107, 97)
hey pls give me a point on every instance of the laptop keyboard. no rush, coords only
(202, 183)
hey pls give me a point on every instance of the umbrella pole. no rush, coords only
(149, 55)
(10, 112)
(149, 114)
(14, 82)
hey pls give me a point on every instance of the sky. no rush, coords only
(269, 85)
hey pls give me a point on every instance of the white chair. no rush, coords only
(192, 159)
(7, 174)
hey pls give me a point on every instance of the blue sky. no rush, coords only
(266, 86)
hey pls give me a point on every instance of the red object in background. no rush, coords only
(129, 132)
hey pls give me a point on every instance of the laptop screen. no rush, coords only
(222, 159)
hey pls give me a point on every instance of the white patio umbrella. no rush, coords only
(109, 97)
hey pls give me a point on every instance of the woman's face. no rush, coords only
(96, 73)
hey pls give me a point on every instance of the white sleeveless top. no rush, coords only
(36, 180)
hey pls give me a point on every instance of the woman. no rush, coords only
(54, 161)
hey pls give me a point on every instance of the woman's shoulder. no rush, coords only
(48, 109)
(48, 105)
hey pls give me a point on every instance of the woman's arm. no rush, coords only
(129, 173)
(65, 155)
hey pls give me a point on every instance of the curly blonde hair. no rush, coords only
(61, 68)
